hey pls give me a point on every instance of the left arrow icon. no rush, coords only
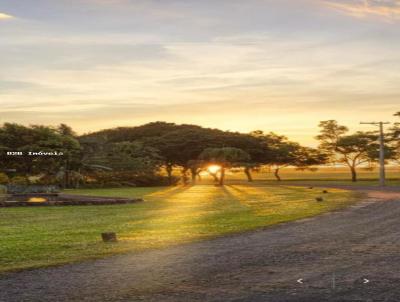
(300, 281)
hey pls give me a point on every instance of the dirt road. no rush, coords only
(352, 255)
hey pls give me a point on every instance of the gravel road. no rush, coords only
(351, 255)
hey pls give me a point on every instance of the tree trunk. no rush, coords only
(214, 175)
(193, 173)
(222, 177)
(185, 179)
(67, 183)
(78, 180)
(168, 168)
(247, 171)
(276, 173)
(353, 174)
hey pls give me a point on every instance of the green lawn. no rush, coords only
(34, 237)
(117, 192)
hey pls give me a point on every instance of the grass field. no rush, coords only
(325, 173)
(34, 237)
(323, 176)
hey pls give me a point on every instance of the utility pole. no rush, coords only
(381, 150)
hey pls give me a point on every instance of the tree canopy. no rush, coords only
(225, 157)
(150, 154)
(45, 148)
(353, 150)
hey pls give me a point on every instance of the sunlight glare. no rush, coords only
(213, 169)
(37, 199)
(5, 16)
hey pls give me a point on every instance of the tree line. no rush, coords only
(150, 154)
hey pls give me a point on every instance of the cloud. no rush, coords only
(388, 10)
(7, 86)
(4, 16)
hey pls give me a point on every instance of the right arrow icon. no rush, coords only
(366, 281)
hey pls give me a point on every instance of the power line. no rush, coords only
(382, 173)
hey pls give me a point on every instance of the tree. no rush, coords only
(283, 153)
(133, 156)
(394, 138)
(352, 150)
(70, 173)
(106, 161)
(66, 130)
(195, 167)
(44, 149)
(251, 144)
(279, 153)
(177, 144)
(307, 157)
(181, 145)
(4, 179)
(225, 157)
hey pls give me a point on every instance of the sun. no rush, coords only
(213, 169)
(5, 16)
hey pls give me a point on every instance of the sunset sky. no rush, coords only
(273, 65)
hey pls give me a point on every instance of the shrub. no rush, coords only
(20, 180)
(3, 190)
(4, 179)
(47, 180)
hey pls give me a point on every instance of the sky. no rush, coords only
(271, 65)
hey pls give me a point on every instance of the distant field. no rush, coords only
(34, 237)
(326, 174)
